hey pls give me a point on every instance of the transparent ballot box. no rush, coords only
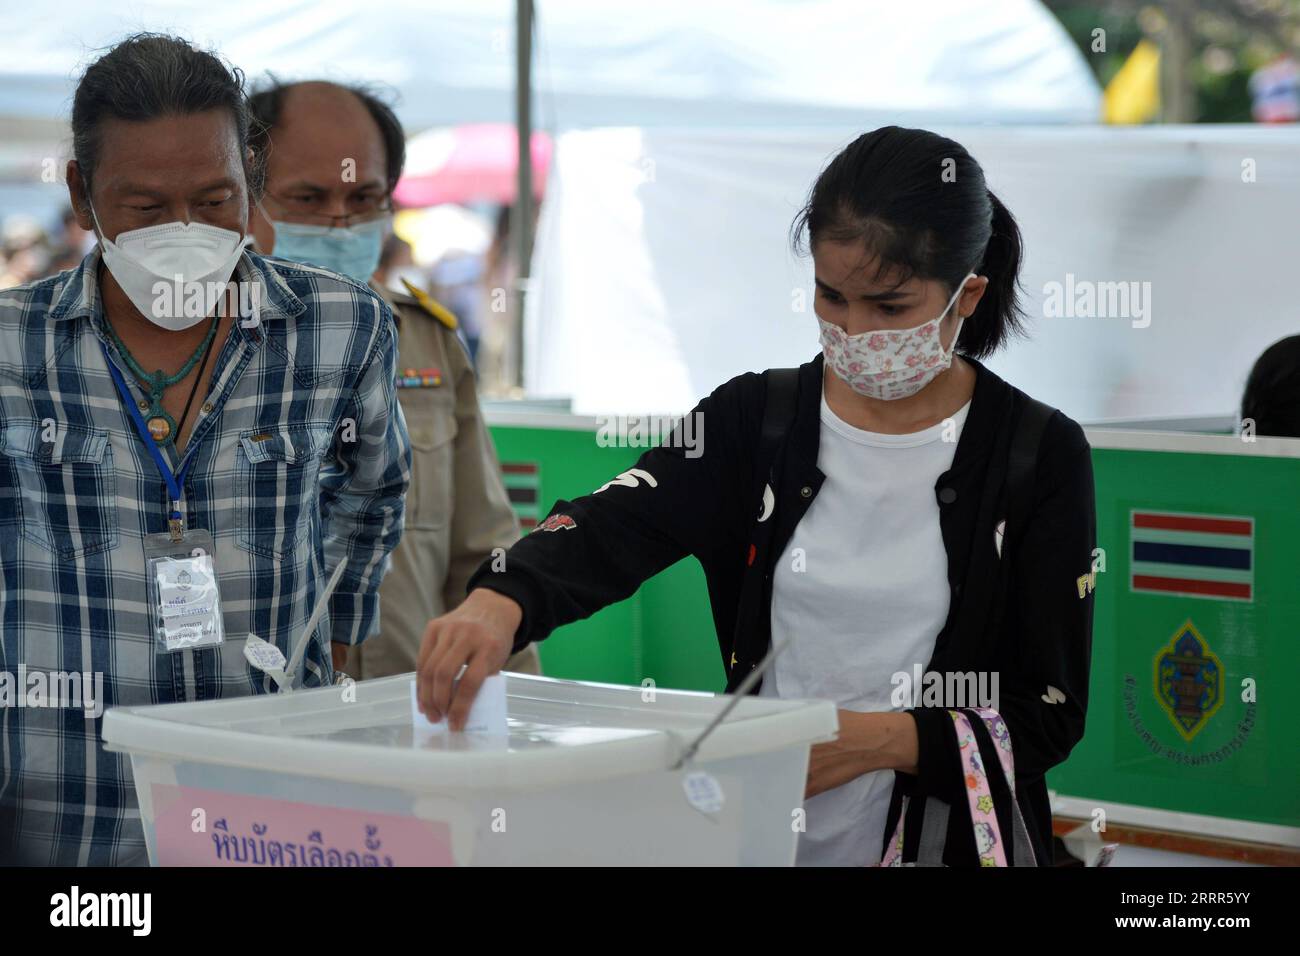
(586, 774)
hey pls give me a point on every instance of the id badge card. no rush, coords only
(184, 602)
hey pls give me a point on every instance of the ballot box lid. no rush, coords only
(560, 732)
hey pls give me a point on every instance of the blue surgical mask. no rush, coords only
(352, 251)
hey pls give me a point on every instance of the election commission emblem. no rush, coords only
(1189, 681)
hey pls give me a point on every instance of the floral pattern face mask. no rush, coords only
(890, 364)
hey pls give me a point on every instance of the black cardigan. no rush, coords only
(706, 501)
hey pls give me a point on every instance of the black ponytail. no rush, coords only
(919, 202)
(998, 315)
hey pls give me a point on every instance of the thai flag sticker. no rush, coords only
(1193, 555)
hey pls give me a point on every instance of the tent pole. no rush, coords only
(522, 221)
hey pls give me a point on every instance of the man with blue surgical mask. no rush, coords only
(333, 212)
(332, 156)
(193, 439)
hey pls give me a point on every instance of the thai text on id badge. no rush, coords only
(184, 602)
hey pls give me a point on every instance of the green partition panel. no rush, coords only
(665, 631)
(1193, 704)
(681, 644)
(608, 646)
(1168, 727)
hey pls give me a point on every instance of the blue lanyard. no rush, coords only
(174, 481)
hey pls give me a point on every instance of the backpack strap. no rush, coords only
(781, 387)
(1020, 495)
(778, 412)
(1022, 464)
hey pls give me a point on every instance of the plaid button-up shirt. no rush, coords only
(298, 460)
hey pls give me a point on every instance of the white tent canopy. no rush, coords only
(664, 268)
(667, 62)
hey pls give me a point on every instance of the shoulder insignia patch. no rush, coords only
(432, 306)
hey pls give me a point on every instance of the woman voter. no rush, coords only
(891, 507)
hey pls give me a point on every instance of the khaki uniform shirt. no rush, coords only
(457, 509)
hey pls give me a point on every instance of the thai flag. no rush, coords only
(1194, 555)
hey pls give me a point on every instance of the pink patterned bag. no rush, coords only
(988, 835)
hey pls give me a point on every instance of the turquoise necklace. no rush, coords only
(161, 425)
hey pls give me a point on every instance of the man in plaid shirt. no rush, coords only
(291, 451)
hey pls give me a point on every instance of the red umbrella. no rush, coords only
(476, 162)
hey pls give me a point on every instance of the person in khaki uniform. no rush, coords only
(331, 156)
(457, 509)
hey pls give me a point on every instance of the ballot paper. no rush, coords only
(487, 715)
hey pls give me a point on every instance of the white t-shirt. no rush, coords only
(869, 602)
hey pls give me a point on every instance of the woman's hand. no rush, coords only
(866, 742)
(479, 633)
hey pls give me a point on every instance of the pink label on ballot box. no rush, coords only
(235, 829)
